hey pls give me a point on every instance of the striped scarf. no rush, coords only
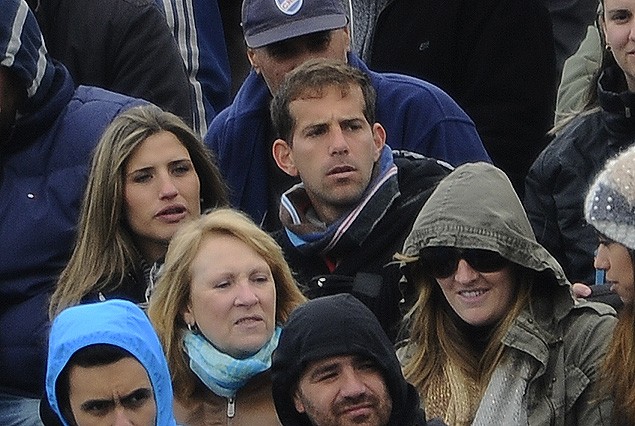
(349, 231)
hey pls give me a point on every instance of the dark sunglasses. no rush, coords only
(441, 262)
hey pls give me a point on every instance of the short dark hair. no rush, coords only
(88, 356)
(313, 76)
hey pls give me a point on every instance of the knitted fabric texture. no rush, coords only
(610, 202)
(220, 372)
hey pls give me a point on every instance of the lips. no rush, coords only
(360, 406)
(358, 410)
(174, 209)
(172, 213)
(248, 320)
(472, 293)
(344, 168)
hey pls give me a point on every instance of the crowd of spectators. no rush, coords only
(317, 212)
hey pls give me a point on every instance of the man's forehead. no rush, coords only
(345, 92)
(336, 360)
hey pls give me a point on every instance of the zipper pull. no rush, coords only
(627, 112)
(231, 407)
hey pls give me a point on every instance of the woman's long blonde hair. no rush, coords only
(172, 293)
(104, 251)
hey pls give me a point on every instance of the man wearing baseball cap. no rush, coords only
(282, 34)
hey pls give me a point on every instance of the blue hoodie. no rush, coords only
(44, 165)
(417, 116)
(118, 323)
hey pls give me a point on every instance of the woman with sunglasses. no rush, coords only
(495, 320)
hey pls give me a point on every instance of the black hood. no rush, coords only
(331, 326)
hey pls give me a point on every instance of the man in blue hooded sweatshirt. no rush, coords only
(106, 366)
(48, 129)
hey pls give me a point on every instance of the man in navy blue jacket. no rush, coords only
(48, 129)
(281, 35)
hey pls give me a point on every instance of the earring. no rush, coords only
(192, 327)
(607, 47)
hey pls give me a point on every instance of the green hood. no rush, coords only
(475, 206)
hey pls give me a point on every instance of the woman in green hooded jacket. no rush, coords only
(495, 337)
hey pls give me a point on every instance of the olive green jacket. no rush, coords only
(577, 75)
(564, 339)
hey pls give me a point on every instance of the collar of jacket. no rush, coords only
(617, 103)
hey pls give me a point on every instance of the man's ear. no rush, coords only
(253, 60)
(284, 157)
(347, 30)
(379, 139)
(297, 401)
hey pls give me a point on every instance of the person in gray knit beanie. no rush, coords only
(610, 208)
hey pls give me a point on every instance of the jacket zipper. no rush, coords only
(231, 407)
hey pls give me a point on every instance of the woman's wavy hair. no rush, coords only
(618, 368)
(432, 331)
(172, 293)
(105, 251)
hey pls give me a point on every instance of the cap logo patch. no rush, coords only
(289, 7)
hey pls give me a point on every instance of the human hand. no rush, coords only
(581, 290)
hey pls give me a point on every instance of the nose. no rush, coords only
(601, 260)
(121, 417)
(465, 273)
(351, 384)
(245, 294)
(338, 144)
(167, 189)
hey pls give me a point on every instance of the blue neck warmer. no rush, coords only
(221, 373)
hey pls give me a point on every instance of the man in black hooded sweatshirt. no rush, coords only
(334, 365)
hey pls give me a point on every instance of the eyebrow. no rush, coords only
(314, 127)
(109, 403)
(102, 403)
(324, 369)
(177, 161)
(141, 393)
(353, 120)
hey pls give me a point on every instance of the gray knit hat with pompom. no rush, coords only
(610, 202)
